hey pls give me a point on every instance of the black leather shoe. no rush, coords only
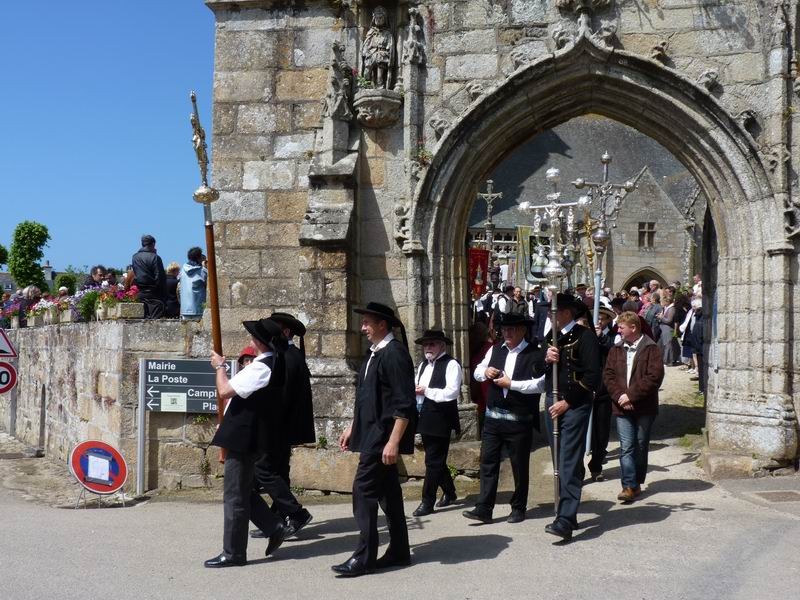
(351, 568)
(221, 561)
(423, 510)
(446, 500)
(276, 539)
(257, 533)
(295, 524)
(557, 528)
(389, 560)
(516, 516)
(477, 515)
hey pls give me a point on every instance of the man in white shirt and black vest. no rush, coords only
(291, 424)
(244, 434)
(579, 377)
(512, 412)
(438, 386)
(384, 421)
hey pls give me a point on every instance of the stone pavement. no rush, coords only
(685, 538)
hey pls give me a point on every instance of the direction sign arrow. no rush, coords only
(6, 347)
(150, 404)
(151, 390)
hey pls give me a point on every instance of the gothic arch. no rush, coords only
(645, 273)
(587, 77)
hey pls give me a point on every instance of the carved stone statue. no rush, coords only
(414, 46)
(401, 229)
(336, 103)
(377, 51)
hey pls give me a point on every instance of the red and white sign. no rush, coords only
(99, 467)
(8, 377)
(6, 347)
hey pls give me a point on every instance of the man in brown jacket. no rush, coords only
(633, 373)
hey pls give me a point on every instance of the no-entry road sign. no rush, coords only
(99, 467)
(8, 377)
(179, 385)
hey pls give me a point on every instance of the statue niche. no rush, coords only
(376, 104)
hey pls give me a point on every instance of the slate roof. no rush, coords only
(575, 148)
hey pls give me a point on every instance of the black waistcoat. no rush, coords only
(515, 402)
(245, 426)
(438, 418)
(384, 392)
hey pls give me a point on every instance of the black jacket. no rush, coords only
(148, 273)
(298, 406)
(579, 370)
(385, 392)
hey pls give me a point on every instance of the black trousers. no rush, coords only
(272, 477)
(573, 425)
(436, 472)
(154, 305)
(378, 484)
(601, 431)
(241, 503)
(515, 437)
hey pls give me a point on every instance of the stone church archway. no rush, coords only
(644, 274)
(747, 414)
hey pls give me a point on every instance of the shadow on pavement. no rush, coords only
(677, 486)
(460, 549)
(636, 514)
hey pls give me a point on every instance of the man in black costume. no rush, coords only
(244, 434)
(512, 412)
(383, 427)
(438, 386)
(291, 424)
(579, 376)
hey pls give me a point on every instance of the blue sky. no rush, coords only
(95, 140)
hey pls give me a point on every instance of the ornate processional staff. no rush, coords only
(555, 272)
(205, 195)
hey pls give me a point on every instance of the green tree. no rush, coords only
(3, 255)
(67, 280)
(27, 244)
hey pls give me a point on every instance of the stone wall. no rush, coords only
(80, 382)
(318, 223)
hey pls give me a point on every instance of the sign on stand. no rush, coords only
(179, 385)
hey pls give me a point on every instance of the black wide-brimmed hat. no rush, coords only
(512, 319)
(382, 312)
(433, 335)
(264, 330)
(568, 301)
(294, 324)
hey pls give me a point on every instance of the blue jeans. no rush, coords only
(634, 441)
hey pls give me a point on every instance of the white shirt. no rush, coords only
(566, 329)
(452, 378)
(525, 386)
(502, 304)
(630, 350)
(375, 347)
(503, 272)
(253, 377)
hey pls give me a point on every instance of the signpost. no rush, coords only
(179, 385)
(174, 385)
(8, 377)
